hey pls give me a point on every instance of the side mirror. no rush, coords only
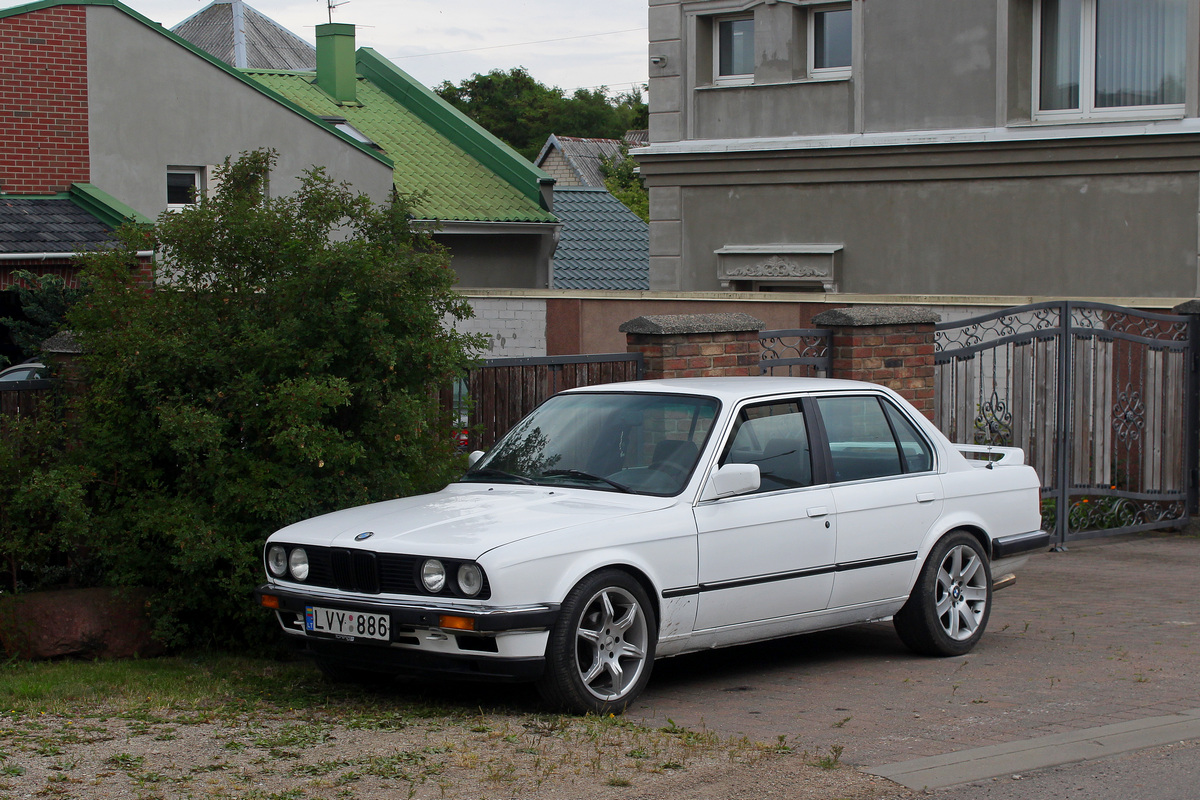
(474, 457)
(732, 480)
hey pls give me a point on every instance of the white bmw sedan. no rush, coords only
(622, 523)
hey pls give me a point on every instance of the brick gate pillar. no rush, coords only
(889, 345)
(695, 345)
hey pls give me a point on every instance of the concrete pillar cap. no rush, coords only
(669, 324)
(864, 316)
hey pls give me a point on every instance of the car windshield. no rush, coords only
(637, 443)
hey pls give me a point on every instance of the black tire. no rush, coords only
(601, 650)
(951, 601)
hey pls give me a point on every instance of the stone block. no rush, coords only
(79, 623)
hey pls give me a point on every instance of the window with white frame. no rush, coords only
(185, 185)
(830, 34)
(733, 49)
(1110, 58)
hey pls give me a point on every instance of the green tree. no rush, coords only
(286, 364)
(44, 519)
(624, 182)
(44, 302)
(522, 112)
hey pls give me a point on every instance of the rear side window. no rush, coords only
(869, 438)
(915, 451)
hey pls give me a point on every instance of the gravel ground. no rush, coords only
(306, 754)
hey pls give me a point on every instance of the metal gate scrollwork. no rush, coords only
(1101, 398)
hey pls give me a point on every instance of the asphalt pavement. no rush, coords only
(1086, 675)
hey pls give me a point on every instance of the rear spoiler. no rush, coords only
(988, 456)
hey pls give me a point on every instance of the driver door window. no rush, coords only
(773, 436)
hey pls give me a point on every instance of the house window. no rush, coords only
(185, 185)
(829, 32)
(733, 50)
(1102, 58)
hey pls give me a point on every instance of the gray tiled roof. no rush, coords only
(584, 155)
(269, 45)
(48, 225)
(603, 244)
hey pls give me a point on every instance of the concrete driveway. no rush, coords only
(1093, 651)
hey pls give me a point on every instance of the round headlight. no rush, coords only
(433, 575)
(470, 579)
(298, 563)
(277, 561)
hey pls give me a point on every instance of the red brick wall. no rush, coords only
(697, 355)
(897, 356)
(68, 271)
(43, 101)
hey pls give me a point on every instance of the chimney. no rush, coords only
(336, 73)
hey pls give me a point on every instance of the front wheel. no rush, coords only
(601, 649)
(949, 606)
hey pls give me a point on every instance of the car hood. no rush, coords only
(465, 520)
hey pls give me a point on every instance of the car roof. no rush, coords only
(735, 388)
(32, 363)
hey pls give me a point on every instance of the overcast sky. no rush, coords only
(565, 43)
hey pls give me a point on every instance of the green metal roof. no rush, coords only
(458, 170)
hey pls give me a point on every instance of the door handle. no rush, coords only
(818, 511)
(926, 497)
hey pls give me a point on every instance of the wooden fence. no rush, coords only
(504, 390)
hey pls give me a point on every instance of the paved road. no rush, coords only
(1159, 773)
(1106, 633)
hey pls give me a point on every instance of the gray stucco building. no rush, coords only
(1001, 147)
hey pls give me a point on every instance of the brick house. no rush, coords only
(83, 133)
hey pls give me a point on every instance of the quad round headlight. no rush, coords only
(470, 579)
(433, 575)
(277, 561)
(298, 563)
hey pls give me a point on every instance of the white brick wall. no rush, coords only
(516, 327)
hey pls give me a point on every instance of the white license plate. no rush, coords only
(347, 623)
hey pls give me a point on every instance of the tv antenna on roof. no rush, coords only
(332, 5)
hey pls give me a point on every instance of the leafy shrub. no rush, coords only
(43, 515)
(284, 365)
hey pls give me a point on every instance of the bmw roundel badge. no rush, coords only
(364, 536)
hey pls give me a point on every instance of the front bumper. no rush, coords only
(424, 637)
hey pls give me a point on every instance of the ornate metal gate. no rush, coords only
(1101, 398)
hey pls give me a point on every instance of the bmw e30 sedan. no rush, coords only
(622, 523)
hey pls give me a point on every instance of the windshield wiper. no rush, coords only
(587, 476)
(498, 473)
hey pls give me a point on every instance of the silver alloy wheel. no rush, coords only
(610, 643)
(961, 594)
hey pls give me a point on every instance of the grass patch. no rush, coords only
(264, 728)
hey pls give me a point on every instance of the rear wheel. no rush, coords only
(950, 604)
(601, 649)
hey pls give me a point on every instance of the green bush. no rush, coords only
(284, 365)
(44, 301)
(43, 515)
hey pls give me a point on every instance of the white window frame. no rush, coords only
(1087, 110)
(734, 79)
(198, 175)
(826, 72)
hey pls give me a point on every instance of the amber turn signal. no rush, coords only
(456, 623)
(270, 601)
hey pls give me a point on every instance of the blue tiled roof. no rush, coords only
(603, 244)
